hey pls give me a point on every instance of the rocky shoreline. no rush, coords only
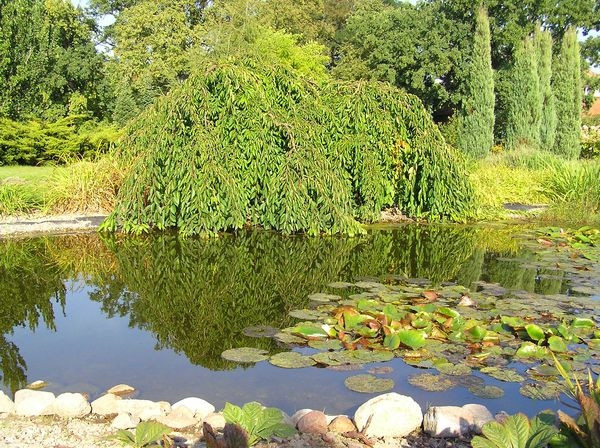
(40, 419)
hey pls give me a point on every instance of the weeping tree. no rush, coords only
(242, 143)
(568, 97)
(543, 41)
(477, 123)
(523, 103)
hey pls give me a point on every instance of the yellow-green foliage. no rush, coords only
(35, 142)
(245, 144)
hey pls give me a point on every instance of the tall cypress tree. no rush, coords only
(566, 84)
(543, 41)
(477, 122)
(523, 104)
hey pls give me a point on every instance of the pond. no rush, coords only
(86, 312)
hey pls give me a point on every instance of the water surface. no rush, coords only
(85, 312)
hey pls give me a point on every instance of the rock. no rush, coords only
(179, 418)
(37, 385)
(30, 403)
(501, 417)
(341, 424)
(106, 404)
(454, 421)
(121, 390)
(153, 412)
(390, 414)
(215, 420)
(298, 415)
(466, 301)
(446, 421)
(314, 422)
(125, 421)
(6, 404)
(139, 407)
(71, 405)
(199, 407)
(330, 438)
(480, 415)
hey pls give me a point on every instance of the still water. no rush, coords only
(87, 312)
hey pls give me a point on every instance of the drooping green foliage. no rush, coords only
(566, 84)
(259, 422)
(240, 144)
(35, 141)
(523, 104)
(543, 41)
(517, 431)
(476, 136)
(46, 56)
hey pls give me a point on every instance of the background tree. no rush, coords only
(46, 56)
(568, 96)
(543, 41)
(523, 102)
(477, 123)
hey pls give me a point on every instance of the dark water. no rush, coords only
(85, 313)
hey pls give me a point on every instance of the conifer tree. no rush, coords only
(548, 118)
(477, 123)
(523, 103)
(566, 85)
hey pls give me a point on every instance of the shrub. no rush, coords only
(590, 143)
(245, 144)
(36, 142)
(575, 183)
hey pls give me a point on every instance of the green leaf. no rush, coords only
(530, 350)
(557, 344)
(414, 339)
(535, 332)
(150, 432)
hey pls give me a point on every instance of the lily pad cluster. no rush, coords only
(461, 335)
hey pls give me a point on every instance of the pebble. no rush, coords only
(70, 405)
(7, 406)
(121, 390)
(125, 421)
(341, 424)
(315, 422)
(200, 408)
(30, 403)
(389, 414)
(298, 415)
(106, 404)
(215, 420)
(179, 418)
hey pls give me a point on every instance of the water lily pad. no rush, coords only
(507, 375)
(335, 358)
(431, 382)
(330, 344)
(368, 285)
(306, 314)
(310, 331)
(414, 339)
(530, 350)
(487, 391)
(369, 384)
(287, 338)
(367, 356)
(557, 344)
(245, 355)
(453, 369)
(535, 332)
(536, 391)
(340, 285)
(260, 331)
(291, 360)
(324, 298)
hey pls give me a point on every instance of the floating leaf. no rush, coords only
(369, 384)
(291, 360)
(287, 338)
(335, 358)
(557, 344)
(330, 344)
(507, 375)
(322, 297)
(306, 314)
(530, 350)
(245, 355)
(536, 391)
(414, 339)
(367, 356)
(535, 332)
(260, 331)
(430, 382)
(579, 322)
(453, 369)
(310, 332)
(486, 391)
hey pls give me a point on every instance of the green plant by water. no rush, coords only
(261, 423)
(146, 435)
